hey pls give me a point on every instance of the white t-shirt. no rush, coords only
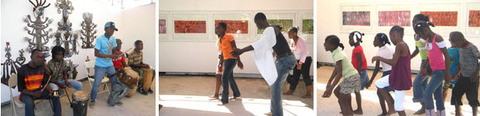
(387, 53)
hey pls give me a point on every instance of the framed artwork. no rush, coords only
(307, 26)
(284, 23)
(473, 25)
(187, 26)
(474, 18)
(392, 18)
(235, 26)
(162, 26)
(356, 18)
(442, 18)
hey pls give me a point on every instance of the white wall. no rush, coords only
(329, 21)
(132, 26)
(199, 54)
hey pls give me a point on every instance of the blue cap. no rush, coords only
(111, 24)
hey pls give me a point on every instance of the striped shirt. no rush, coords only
(31, 78)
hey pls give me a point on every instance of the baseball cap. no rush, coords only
(111, 24)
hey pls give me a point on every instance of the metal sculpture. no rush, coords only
(39, 35)
(88, 31)
(64, 34)
(10, 67)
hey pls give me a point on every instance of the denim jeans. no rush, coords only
(227, 78)
(284, 65)
(75, 84)
(364, 78)
(435, 87)
(28, 100)
(99, 74)
(419, 85)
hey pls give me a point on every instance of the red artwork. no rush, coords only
(392, 18)
(474, 18)
(190, 26)
(162, 28)
(233, 26)
(357, 18)
(442, 18)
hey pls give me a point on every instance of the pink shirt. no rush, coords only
(435, 55)
(301, 50)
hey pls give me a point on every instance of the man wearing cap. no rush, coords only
(104, 48)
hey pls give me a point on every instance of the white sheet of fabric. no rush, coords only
(263, 55)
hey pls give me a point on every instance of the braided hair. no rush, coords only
(357, 36)
(383, 38)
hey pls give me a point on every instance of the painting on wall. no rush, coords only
(392, 18)
(235, 26)
(162, 26)
(185, 26)
(474, 18)
(356, 18)
(442, 18)
(284, 23)
(307, 26)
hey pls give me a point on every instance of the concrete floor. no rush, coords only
(189, 95)
(137, 105)
(370, 103)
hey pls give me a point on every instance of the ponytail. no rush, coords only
(334, 40)
(357, 36)
(383, 38)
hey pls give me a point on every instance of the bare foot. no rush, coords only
(289, 92)
(382, 114)
(391, 113)
(419, 112)
(214, 97)
(222, 104)
(358, 112)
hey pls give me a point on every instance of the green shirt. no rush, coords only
(347, 67)
(421, 49)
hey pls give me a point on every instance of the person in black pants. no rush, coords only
(299, 47)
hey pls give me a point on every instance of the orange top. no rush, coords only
(226, 46)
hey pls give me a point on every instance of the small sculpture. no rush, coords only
(39, 34)
(65, 8)
(64, 34)
(10, 67)
(88, 30)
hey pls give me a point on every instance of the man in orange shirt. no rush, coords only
(226, 45)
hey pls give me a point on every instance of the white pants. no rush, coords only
(399, 94)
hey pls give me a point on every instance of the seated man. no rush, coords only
(57, 69)
(135, 60)
(32, 84)
(119, 63)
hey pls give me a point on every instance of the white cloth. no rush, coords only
(387, 53)
(399, 94)
(262, 54)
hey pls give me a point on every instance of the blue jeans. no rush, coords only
(99, 74)
(419, 85)
(435, 87)
(284, 65)
(28, 100)
(227, 78)
(363, 78)
(75, 84)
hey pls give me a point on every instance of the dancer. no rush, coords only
(360, 63)
(420, 82)
(303, 63)
(400, 77)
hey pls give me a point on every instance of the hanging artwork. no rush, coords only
(442, 18)
(474, 18)
(64, 35)
(392, 18)
(88, 31)
(10, 67)
(284, 23)
(235, 26)
(38, 27)
(182, 26)
(307, 26)
(162, 26)
(356, 18)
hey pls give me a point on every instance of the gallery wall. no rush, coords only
(330, 20)
(131, 24)
(196, 53)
